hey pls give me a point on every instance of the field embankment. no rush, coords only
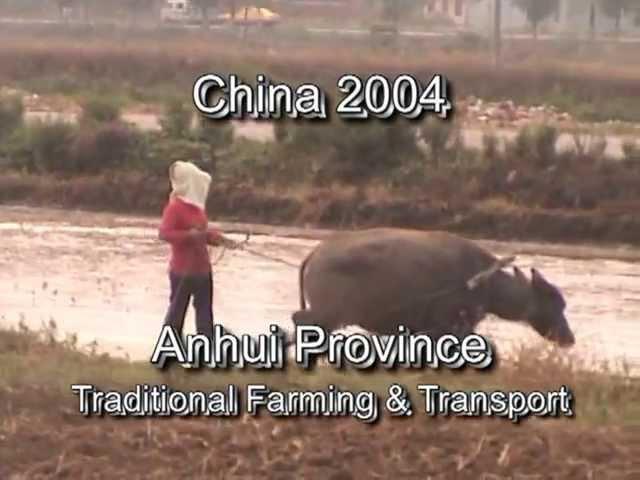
(327, 174)
(592, 82)
(330, 208)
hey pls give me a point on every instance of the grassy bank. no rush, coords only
(329, 208)
(38, 409)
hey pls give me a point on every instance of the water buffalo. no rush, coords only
(381, 278)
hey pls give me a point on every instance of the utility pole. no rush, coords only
(592, 22)
(497, 32)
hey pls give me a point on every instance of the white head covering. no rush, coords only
(189, 183)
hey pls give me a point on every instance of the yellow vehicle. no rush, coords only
(251, 16)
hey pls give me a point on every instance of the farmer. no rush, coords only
(184, 227)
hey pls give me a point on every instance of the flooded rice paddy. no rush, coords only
(104, 277)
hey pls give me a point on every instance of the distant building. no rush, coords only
(481, 12)
(456, 10)
(576, 17)
(572, 16)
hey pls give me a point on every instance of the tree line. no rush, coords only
(536, 11)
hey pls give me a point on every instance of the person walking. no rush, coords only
(184, 226)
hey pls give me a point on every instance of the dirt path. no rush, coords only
(69, 446)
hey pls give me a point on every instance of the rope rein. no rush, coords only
(269, 257)
(243, 246)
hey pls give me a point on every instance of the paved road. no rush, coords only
(327, 31)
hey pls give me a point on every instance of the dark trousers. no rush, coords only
(183, 288)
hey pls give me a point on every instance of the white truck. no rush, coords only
(180, 11)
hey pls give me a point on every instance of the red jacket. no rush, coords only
(189, 255)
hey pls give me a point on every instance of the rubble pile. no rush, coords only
(33, 102)
(507, 113)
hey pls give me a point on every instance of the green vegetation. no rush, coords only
(100, 109)
(343, 153)
(11, 115)
(99, 143)
(336, 173)
(177, 118)
(42, 147)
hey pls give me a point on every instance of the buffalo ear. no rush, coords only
(519, 275)
(537, 278)
(543, 286)
(540, 283)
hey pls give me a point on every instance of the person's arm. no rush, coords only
(168, 230)
(216, 238)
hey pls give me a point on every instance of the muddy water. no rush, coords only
(103, 277)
